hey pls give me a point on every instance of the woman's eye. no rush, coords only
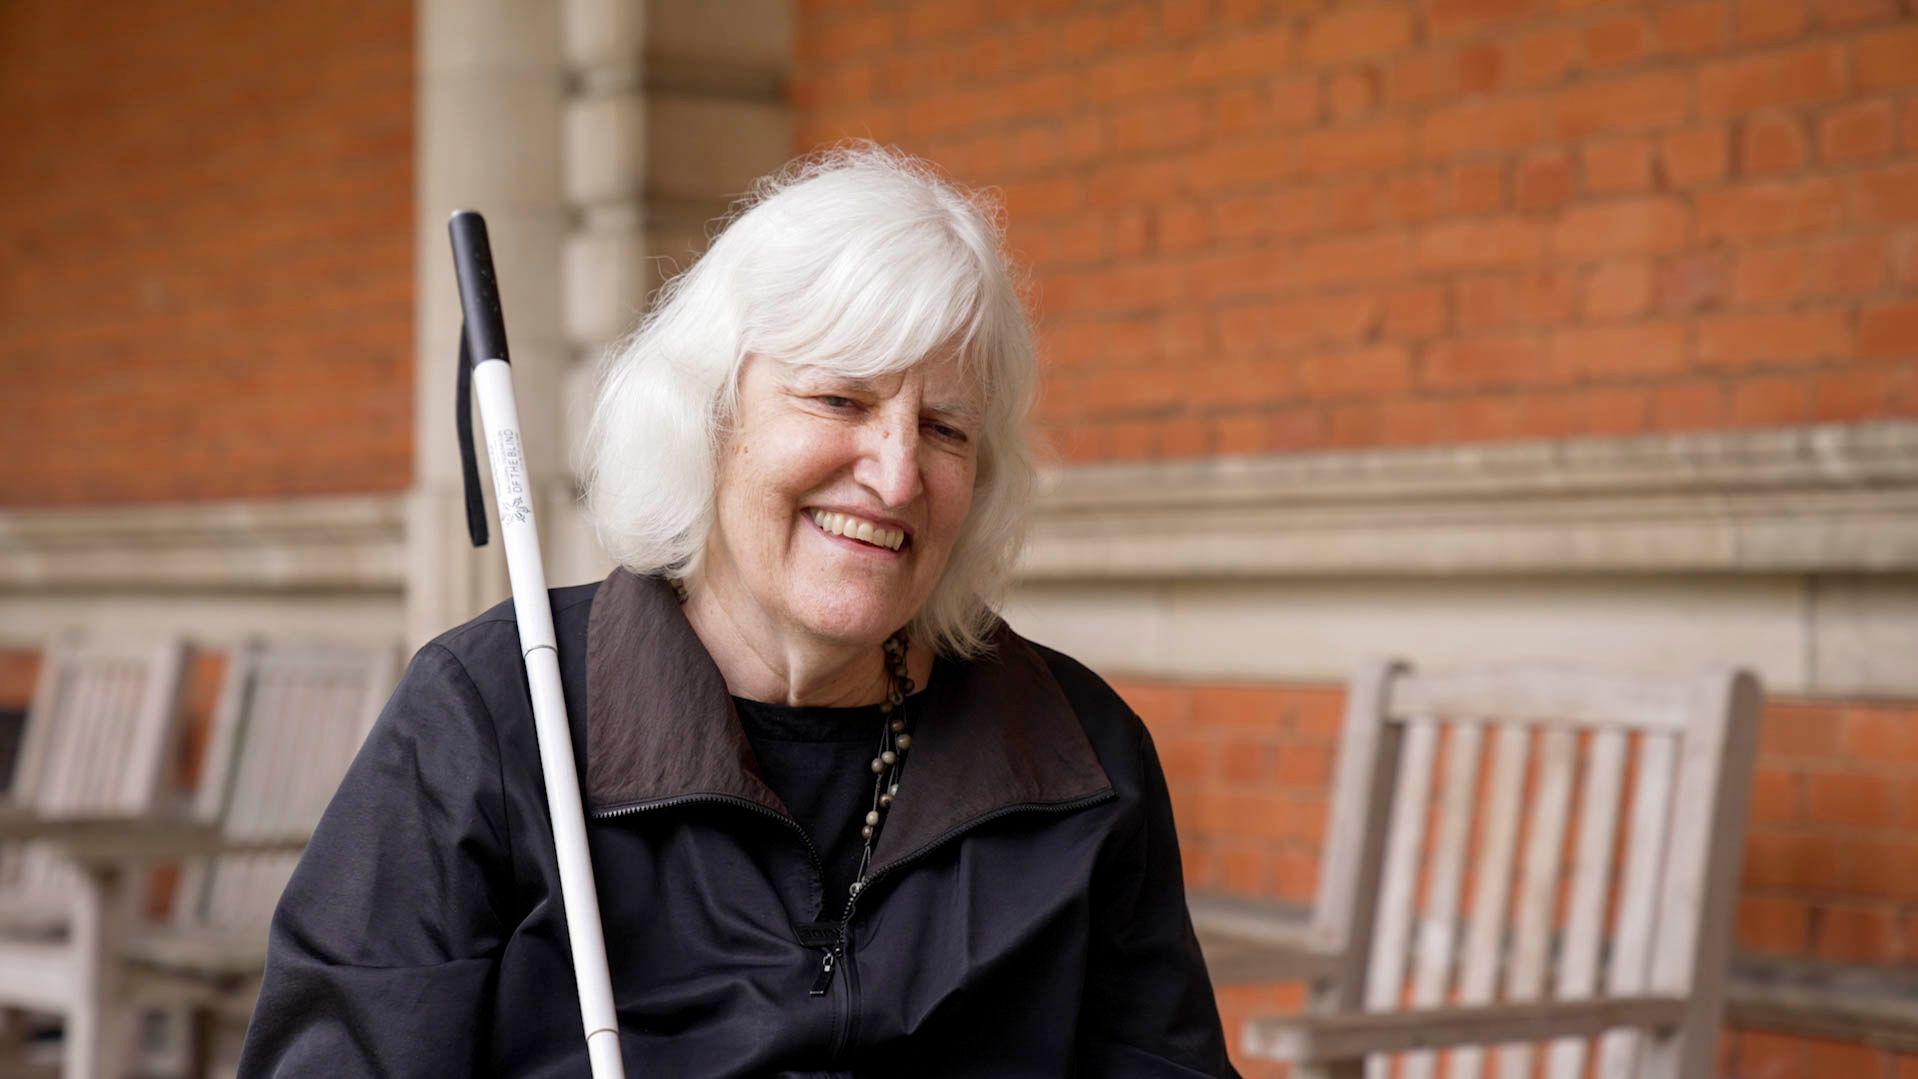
(835, 401)
(947, 432)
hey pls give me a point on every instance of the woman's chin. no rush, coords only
(853, 623)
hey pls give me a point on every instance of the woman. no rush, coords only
(843, 819)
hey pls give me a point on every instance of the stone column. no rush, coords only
(491, 85)
(676, 106)
(600, 138)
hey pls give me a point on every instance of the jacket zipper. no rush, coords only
(838, 954)
(829, 956)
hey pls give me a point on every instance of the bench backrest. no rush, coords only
(289, 722)
(1529, 834)
(99, 738)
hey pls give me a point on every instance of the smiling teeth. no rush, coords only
(842, 524)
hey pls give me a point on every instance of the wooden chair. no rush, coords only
(287, 725)
(289, 722)
(98, 740)
(1654, 771)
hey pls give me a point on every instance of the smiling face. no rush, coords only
(822, 477)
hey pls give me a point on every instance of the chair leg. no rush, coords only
(97, 1033)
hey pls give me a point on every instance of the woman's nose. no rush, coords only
(889, 463)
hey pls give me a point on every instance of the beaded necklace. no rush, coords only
(894, 741)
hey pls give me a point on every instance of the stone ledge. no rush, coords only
(350, 543)
(1807, 499)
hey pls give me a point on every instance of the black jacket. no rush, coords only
(1026, 915)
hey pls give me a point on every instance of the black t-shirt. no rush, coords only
(819, 762)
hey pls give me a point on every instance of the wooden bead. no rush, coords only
(885, 801)
(866, 832)
(905, 742)
(878, 765)
(889, 757)
(898, 725)
(872, 816)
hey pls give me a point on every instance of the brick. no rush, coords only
(1347, 150)
(1773, 924)
(1507, 360)
(1481, 68)
(1850, 266)
(1621, 351)
(1784, 337)
(1800, 730)
(1617, 289)
(1289, 325)
(1804, 75)
(1765, 21)
(1883, 59)
(1368, 372)
(1159, 125)
(1351, 92)
(1842, 1058)
(1848, 799)
(1346, 34)
(1852, 933)
(1771, 144)
(1889, 330)
(1692, 29)
(1421, 77)
(1694, 156)
(1770, 209)
(1616, 41)
(1856, 132)
(1631, 103)
(1694, 282)
(1789, 860)
(1625, 227)
(1886, 869)
(1618, 166)
(1775, 796)
(1690, 405)
(1477, 244)
(1545, 182)
(1477, 126)
(1860, 392)
(1477, 187)
(1415, 313)
(1885, 736)
(1884, 196)
(1464, 16)
(1772, 400)
(1245, 54)
(1853, 12)
(1545, 57)
(1541, 298)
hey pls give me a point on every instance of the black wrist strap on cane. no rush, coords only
(469, 461)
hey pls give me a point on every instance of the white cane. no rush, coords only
(483, 347)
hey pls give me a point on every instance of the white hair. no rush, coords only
(860, 261)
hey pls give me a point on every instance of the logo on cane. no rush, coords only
(509, 478)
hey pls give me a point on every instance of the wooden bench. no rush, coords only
(1473, 779)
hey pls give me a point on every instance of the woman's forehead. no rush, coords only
(943, 375)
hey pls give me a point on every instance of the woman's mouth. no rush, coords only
(858, 530)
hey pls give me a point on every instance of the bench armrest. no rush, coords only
(107, 841)
(1350, 1036)
(1248, 942)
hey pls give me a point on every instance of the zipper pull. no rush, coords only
(824, 981)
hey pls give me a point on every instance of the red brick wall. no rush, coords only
(1831, 862)
(206, 223)
(1286, 225)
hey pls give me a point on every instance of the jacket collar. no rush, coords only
(986, 734)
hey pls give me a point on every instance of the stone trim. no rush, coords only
(353, 543)
(1794, 500)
